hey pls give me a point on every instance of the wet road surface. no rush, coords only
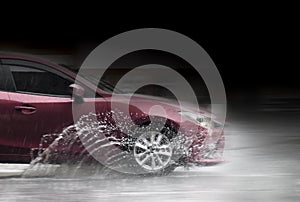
(263, 164)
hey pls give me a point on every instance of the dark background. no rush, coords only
(255, 47)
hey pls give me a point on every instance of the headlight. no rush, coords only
(202, 120)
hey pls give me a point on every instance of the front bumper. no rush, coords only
(207, 149)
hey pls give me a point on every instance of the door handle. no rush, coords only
(26, 109)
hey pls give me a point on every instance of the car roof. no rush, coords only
(35, 59)
(31, 58)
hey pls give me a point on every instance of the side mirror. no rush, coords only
(78, 93)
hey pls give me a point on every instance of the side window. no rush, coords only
(6, 83)
(2, 77)
(31, 80)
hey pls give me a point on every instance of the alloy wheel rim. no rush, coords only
(153, 151)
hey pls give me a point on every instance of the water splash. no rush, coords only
(95, 145)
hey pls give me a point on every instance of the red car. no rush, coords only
(35, 99)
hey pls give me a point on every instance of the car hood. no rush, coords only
(146, 102)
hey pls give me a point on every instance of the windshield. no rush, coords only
(102, 84)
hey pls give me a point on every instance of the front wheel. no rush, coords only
(153, 151)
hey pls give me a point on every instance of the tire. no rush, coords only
(161, 153)
(153, 149)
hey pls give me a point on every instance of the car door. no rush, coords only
(41, 102)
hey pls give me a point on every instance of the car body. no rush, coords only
(35, 99)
